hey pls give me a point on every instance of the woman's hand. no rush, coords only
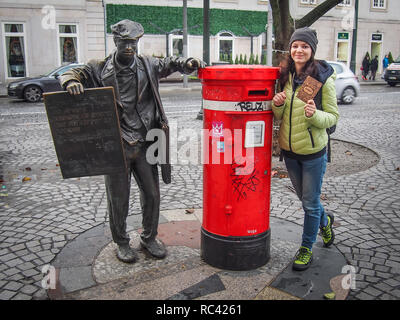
(279, 98)
(310, 108)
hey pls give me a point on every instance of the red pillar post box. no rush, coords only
(237, 148)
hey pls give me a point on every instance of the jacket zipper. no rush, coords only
(311, 137)
(290, 120)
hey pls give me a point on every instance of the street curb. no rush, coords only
(174, 89)
(178, 90)
(373, 83)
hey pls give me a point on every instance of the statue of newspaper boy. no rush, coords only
(135, 80)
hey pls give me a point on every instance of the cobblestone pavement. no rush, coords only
(368, 203)
(40, 215)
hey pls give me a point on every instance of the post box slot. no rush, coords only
(258, 92)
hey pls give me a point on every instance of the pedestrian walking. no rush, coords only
(385, 64)
(135, 81)
(303, 137)
(365, 67)
(374, 68)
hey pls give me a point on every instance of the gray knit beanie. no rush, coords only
(307, 35)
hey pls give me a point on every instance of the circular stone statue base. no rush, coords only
(108, 267)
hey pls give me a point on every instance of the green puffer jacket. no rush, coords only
(302, 135)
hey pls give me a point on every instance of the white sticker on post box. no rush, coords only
(254, 134)
(220, 146)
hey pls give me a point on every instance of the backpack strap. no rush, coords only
(329, 131)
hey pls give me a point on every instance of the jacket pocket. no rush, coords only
(311, 137)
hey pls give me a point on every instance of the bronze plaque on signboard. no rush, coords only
(86, 132)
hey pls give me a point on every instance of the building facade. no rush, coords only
(236, 26)
(37, 36)
(378, 30)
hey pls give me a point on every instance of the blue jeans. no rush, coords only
(306, 177)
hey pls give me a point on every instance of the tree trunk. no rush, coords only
(283, 28)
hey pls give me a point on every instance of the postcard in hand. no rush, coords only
(309, 89)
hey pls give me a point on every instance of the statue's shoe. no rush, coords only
(126, 254)
(155, 247)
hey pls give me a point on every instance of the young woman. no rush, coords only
(303, 138)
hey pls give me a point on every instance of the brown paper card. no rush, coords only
(309, 89)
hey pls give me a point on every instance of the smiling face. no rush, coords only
(126, 48)
(300, 52)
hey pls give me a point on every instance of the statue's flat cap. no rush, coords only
(127, 29)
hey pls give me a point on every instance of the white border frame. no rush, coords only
(378, 8)
(219, 37)
(15, 34)
(71, 35)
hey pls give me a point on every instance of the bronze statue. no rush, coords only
(135, 80)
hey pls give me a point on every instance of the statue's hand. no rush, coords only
(194, 64)
(74, 87)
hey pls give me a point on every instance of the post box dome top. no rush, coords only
(239, 72)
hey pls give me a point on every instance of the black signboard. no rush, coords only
(86, 133)
(376, 37)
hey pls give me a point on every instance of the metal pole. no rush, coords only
(105, 28)
(206, 31)
(269, 35)
(251, 38)
(167, 44)
(206, 42)
(354, 42)
(185, 40)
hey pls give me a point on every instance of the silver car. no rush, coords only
(347, 85)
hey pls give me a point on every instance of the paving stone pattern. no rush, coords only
(40, 216)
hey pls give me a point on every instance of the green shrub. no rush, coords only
(390, 57)
(251, 60)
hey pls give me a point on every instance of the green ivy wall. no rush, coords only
(169, 18)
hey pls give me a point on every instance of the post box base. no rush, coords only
(235, 253)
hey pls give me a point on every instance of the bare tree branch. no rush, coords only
(316, 13)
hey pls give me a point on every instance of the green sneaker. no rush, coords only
(303, 259)
(327, 232)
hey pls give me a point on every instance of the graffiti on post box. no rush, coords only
(242, 184)
(250, 106)
(217, 128)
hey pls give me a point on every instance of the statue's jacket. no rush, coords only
(101, 73)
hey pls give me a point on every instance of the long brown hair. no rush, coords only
(288, 67)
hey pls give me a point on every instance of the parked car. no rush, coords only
(347, 85)
(392, 73)
(31, 89)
